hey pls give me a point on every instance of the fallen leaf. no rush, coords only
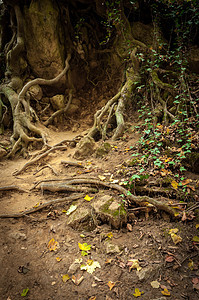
(87, 198)
(109, 260)
(25, 292)
(111, 284)
(195, 280)
(174, 230)
(101, 177)
(195, 239)
(82, 235)
(92, 298)
(169, 258)
(176, 238)
(37, 204)
(197, 226)
(174, 184)
(77, 280)
(110, 235)
(65, 277)
(84, 246)
(52, 245)
(185, 181)
(84, 253)
(155, 284)
(71, 209)
(137, 293)
(133, 264)
(165, 292)
(129, 227)
(90, 268)
(58, 259)
(191, 264)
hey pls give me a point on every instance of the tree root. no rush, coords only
(12, 188)
(140, 200)
(41, 206)
(60, 111)
(34, 160)
(61, 187)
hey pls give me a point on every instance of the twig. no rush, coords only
(34, 209)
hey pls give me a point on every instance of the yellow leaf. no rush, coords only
(176, 238)
(89, 262)
(134, 264)
(102, 177)
(174, 184)
(137, 293)
(84, 253)
(87, 198)
(109, 260)
(92, 298)
(52, 245)
(36, 205)
(197, 226)
(166, 292)
(195, 239)
(58, 259)
(110, 235)
(111, 285)
(65, 277)
(174, 230)
(191, 264)
(84, 246)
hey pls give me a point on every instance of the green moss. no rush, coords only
(116, 212)
(103, 150)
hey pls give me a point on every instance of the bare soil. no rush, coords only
(26, 261)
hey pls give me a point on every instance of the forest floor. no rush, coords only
(143, 261)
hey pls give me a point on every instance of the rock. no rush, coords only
(110, 211)
(103, 150)
(16, 83)
(81, 219)
(18, 236)
(57, 102)
(73, 268)
(85, 148)
(35, 92)
(2, 153)
(111, 248)
(73, 108)
(148, 272)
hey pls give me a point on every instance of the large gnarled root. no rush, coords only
(22, 113)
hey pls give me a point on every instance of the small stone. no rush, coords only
(85, 148)
(148, 272)
(58, 102)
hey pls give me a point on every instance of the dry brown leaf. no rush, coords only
(129, 227)
(53, 245)
(77, 280)
(111, 284)
(169, 258)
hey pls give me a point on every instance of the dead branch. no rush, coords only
(47, 166)
(41, 206)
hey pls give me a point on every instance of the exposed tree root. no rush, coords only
(23, 114)
(34, 160)
(12, 188)
(61, 187)
(41, 206)
(140, 200)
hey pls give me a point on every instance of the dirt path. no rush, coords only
(127, 259)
